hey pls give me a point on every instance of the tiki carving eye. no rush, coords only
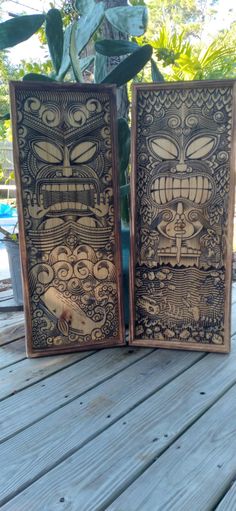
(83, 152)
(201, 147)
(164, 148)
(47, 152)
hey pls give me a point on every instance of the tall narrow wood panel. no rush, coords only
(66, 171)
(182, 214)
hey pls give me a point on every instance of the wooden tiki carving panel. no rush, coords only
(66, 166)
(183, 195)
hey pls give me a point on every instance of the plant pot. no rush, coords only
(15, 269)
(125, 240)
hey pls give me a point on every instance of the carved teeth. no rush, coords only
(67, 187)
(64, 195)
(197, 189)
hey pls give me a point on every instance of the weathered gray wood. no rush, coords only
(33, 403)
(228, 503)
(233, 298)
(233, 319)
(12, 352)
(92, 477)
(194, 471)
(12, 326)
(80, 422)
(27, 372)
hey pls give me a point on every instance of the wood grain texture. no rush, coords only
(27, 372)
(228, 503)
(195, 471)
(183, 158)
(12, 327)
(12, 353)
(34, 403)
(65, 154)
(84, 418)
(92, 477)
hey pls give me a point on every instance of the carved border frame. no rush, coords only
(111, 91)
(133, 340)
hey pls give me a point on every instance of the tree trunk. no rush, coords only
(109, 32)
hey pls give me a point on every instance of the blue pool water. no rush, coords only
(8, 223)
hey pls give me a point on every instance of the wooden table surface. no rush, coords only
(120, 429)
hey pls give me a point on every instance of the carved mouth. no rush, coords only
(197, 189)
(62, 195)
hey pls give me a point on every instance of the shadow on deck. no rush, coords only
(122, 429)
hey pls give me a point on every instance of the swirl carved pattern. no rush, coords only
(183, 215)
(67, 173)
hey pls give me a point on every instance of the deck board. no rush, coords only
(228, 503)
(124, 429)
(59, 388)
(80, 420)
(11, 353)
(194, 471)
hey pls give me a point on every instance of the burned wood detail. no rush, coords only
(183, 212)
(67, 176)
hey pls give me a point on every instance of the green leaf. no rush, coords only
(112, 48)
(74, 55)
(37, 78)
(84, 6)
(19, 29)
(129, 67)
(87, 25)
(100, 68)
(65, 62)
(124, 190)
(123, 147)
(54, 33)
(124, 155)
(156, 74)
(5, 117)
(86, 62)
(129, 20)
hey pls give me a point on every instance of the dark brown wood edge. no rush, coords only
(22, 244)
(111, 90)
(133, 206)
(184, 85)
(230, 229)
(228, 275)
(117, 218)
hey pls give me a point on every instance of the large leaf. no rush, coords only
(124, 190)
(123, 147)
(87, 25)
(84, 6)
(130, 20)
(65, 63)
(5, 117)
(19, 29)
(156, 74)
(113, 47)
(100, 68)
(86, 62)
(37, 78)
(124, 155)
(54, 33)
(129, 67)
(74, 55)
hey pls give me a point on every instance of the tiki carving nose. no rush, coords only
(67, 170)
(181, 167)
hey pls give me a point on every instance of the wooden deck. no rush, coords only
(122, 429)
